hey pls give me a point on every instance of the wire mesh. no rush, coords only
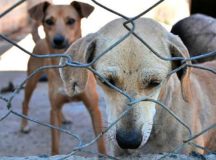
(132, 101)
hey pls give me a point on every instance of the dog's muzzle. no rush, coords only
(59, 42)
(131, 139)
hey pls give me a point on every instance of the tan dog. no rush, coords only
(62, 25)
(132, 67)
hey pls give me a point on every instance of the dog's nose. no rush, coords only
(59, 41)
(129, 139)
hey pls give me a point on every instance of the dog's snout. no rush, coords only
(59, 39)
(59, 42)
(129, 139)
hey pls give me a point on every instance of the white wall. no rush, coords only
(167, 12)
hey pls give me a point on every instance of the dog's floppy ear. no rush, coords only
(83, 9)
(82, 51)
(37, 12)
(178, 49)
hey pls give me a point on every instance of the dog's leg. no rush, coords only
(57, 101)
(91, 100)
(91, 104)
(55, 119)
(29, 88)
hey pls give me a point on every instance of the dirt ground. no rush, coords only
(37, 142)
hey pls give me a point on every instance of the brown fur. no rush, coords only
(59, 14)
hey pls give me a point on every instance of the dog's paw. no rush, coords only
(66, 122)
(25, 129)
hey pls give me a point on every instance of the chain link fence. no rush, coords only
(71, 63)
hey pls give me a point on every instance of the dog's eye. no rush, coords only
(154, 83)
(49, 22)
(111, 81)
(70, 21)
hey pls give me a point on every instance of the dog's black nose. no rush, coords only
(129, 139)
(59, 41)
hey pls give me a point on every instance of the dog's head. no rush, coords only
(62, 23)
(133, 68)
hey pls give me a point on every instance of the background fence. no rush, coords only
(82, 146)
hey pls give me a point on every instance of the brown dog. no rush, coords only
(136, 70)
(62, 25)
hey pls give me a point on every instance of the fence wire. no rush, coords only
(81, 146)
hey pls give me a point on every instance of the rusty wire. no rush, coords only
(80, 146)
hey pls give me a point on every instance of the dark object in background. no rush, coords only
(9, 88)
(198, 32)
(206, 7)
